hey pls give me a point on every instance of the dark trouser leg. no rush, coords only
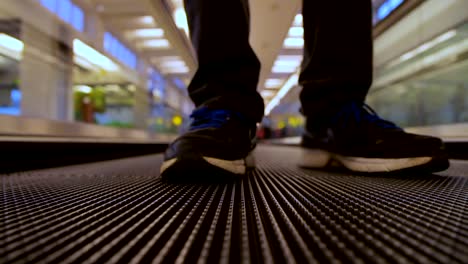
(337, 65)
(228, 69)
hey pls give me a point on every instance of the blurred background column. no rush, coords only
(46, 74)
(142, 108)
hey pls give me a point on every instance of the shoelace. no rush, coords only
(361, 113)
(211, 118)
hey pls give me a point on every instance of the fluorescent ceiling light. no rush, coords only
(170, 62)
(444, 55)
(180, 19)
(293, 43)
(11, 46)
(288, 61)
(410, 54)
(283, 69)
(11, 43)
(267, 93)
(173, 64)
(147, 20)
(89, 54)
(447, 35)
(147, 33)
(290, 83)
(297, 20)
(155, 43)
(296, 32)
(175, 70)
(273, 83)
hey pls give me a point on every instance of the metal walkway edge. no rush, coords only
(120, 212)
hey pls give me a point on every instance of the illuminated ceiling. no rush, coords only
(156, 29)
(148, 27)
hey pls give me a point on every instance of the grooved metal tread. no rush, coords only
(120, 212)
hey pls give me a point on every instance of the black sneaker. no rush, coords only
(358, 139)
(215, 149)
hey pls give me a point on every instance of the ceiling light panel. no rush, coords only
(296, 32)
(147, 20)
(170, 61)
(273, 83)
(146, 33)
(11, 46)
(288, 60)
(428, 45)
(171, 64)
(175, 70)
(155, 43)
(267, 93)
(283, 69)
(293, 43)
(298, 20)
(180, 18)
(286, 63)
(92, 56)
(288, 85)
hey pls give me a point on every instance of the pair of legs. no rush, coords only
(336, 68)
(336, 74)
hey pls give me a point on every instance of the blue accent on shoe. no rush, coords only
(212, 118)
(361, 113)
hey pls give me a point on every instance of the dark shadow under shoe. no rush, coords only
(359, 140)
(215, 149)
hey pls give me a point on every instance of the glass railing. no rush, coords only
(427, 85)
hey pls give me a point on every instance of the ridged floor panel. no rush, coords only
(120, 212)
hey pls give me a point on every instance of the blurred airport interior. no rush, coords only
(126, 64)
(92, 92)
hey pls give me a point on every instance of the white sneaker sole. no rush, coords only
(234, 166)
(315, 158)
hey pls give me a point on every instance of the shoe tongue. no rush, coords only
(360, 115)
(205, 117)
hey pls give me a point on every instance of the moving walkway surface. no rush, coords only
(120, 212)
